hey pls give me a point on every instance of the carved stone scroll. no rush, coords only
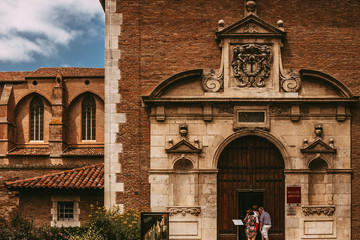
(291, 82)
(310, 210)
(251, 65)
(210, 82)
(183, 210)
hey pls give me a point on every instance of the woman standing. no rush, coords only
(250, 223)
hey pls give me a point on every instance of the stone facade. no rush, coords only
(62, 91)
(166, 53)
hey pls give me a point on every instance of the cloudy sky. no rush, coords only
(51, 33)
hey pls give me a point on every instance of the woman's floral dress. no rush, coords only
(250, 222)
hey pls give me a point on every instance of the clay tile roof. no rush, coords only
(13, 76)
(29, 151)
(84, 151)
(89, 177)
(68, 72)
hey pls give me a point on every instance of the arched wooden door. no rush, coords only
(251, 170)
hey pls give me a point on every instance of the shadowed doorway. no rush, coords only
(251, 171)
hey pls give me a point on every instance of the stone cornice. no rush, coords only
(171, 171)
(301, 171)
(156, 100)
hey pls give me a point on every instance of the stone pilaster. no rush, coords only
(56, 126)
(113, 24)
(7, 126)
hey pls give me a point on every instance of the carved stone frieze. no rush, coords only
(251, 64)
(211, 82)
(250, 129)
(184, 210)
(226, 109)
(276, 110)
(291, 82)
(310, 210)
(251, 28)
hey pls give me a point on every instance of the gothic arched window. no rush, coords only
(37, 119)
(88, 121)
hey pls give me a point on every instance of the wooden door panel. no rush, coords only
(255, 164)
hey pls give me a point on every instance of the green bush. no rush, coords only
(103, 225)
(112, 224)
(18, 228)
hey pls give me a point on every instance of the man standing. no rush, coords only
(265, 223)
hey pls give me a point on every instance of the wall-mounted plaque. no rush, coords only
(293, 194)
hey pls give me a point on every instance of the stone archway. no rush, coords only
(251, 170)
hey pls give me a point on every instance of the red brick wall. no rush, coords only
(161, 38)
(20, 167)
(36, 205)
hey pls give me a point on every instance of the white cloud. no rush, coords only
(30, 27)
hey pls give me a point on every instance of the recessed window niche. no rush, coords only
(184, 183)
(320, 183)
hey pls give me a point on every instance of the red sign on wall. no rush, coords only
(293, 194)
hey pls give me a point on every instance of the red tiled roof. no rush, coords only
(68, 72)
(29, 151)
(13, 76)
(52, 72)
(89, 177)
(84, 151)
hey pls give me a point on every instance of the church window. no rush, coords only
(88, 121)
(36, 119)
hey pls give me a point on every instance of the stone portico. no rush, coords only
(305, 115)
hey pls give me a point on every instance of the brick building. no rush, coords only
(52, 143)
(203, 115)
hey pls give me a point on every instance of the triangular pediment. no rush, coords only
(252, 25)
(318, 146)
(183, 147)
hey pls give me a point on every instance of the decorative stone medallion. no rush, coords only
(251, 65)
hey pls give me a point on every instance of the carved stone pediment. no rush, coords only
(183, 147)
(318, 146)
(326, 210)
(251, 25)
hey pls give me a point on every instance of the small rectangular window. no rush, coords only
(251, 116)
(65, 211)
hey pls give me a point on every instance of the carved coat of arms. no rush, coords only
(251, 64)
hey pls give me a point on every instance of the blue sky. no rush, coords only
(51, 33)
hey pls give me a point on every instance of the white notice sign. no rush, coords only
(238, 222)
